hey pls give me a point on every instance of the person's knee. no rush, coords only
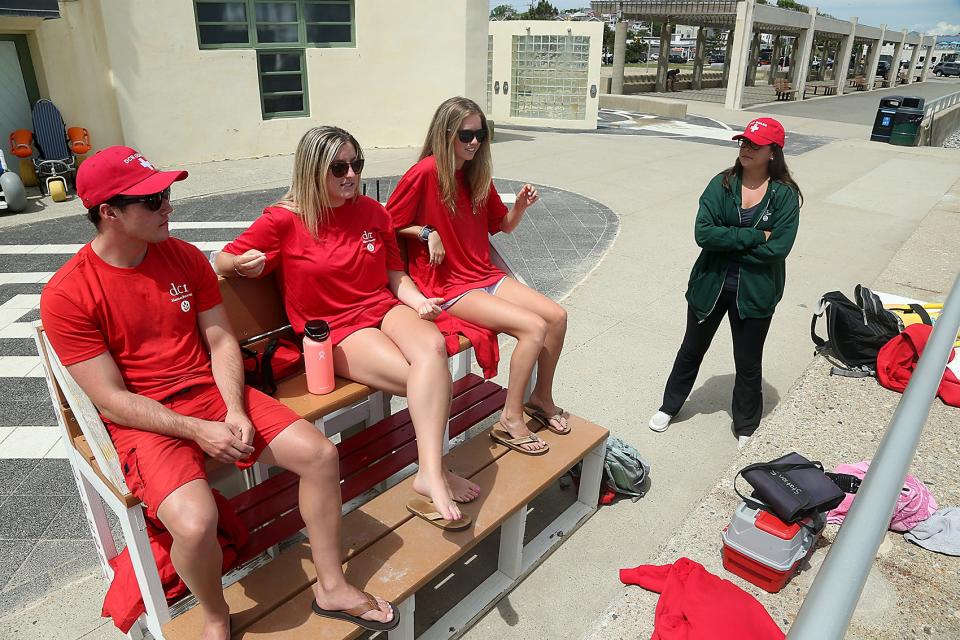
(194, 526)
(432, 349)
(536, 329)
(319, 456)
(557, 319)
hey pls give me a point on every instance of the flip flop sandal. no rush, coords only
(504, 438)
(353, 615)
(426, 510)
(541, 416)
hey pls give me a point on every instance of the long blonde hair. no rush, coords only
(307, 196)
(441, 137)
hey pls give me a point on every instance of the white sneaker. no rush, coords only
(742, 442)
(660, 421)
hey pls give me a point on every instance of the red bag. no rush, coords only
(279, 359)
(898, 359)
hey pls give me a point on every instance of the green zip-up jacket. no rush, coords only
(762, 262)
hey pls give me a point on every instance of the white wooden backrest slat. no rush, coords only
(98, 439)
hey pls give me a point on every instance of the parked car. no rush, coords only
(947, 69)
(883, 68)
(676, 58)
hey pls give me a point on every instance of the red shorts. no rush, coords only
(155, 465)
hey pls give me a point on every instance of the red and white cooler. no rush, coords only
(764, 550)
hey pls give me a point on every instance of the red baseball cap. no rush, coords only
(763, 131)
(120, 171)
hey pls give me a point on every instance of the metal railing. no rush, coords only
(936, 106)
(829, 605)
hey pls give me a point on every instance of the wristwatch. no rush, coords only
(425, 232)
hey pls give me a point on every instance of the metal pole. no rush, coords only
(832, 598)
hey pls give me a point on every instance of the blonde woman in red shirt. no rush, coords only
(336, 256)
(445, 206)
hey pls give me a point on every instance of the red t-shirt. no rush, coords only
(416, 201)
(145, 317)
(340, 276)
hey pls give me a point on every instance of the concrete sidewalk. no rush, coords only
(911, 592)
(626, 321)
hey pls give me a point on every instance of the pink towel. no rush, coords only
(915, 504)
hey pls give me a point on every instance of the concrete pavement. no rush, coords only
(859, 107)
(626, 321)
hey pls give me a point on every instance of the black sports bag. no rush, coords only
(855, 331)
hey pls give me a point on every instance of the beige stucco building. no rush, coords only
(202, 80)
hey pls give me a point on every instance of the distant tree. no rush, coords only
(502, 12)
(635, 51)
(793, 5)
(543, 10)
(608, 37)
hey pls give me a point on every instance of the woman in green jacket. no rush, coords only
(746, 226)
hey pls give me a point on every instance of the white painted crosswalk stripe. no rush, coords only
(70, 249)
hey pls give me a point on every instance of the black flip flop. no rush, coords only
(353, 615)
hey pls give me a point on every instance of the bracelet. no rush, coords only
(235, 270)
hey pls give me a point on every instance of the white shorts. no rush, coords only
(490, 288)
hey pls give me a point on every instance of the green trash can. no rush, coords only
(906, 122)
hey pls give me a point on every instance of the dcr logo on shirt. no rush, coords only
(369, 239)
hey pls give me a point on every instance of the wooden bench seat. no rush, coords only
(381, 540)
(783, 90)
(391, 553)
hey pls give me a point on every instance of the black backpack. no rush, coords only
(855, 331)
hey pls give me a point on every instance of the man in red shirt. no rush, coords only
(137, 319)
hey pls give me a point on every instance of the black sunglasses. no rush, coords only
(153, 202)
(466, 136)
(339, 167)
(749, 143)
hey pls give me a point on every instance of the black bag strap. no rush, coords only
(769, 466)
(267, 381)
(862, 371)
(920, 311)
(817, 340)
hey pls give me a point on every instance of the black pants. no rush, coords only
(748, 337)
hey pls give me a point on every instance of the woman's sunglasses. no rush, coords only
(749, 144)
(153, 202)
(339, 167)
(466, 136)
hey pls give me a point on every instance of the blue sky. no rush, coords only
(925, 16)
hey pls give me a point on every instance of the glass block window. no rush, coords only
(489, 74)
(283, 83)
(549, 77)
(274, 23)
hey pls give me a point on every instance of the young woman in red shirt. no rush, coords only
(336, 256)
(444, 207)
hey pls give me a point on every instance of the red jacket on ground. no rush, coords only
(898, 359)
(697, 605)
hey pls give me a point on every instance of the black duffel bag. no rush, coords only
(790, 487)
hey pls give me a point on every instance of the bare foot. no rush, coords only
(518, 429)
(437, 491)
(461, 489)
(347, 597)
(216, 626)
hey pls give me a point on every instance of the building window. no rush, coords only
(283, 83)
(274, 23)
